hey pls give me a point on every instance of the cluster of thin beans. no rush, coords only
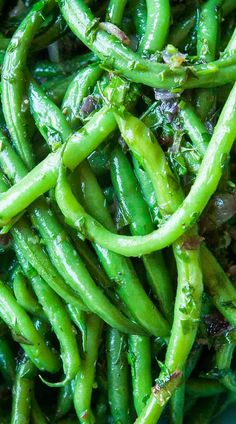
(88, 334)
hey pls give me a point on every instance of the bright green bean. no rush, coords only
(85, 378)
(157, 26)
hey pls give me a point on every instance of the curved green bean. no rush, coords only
(187, 214)
(14, 79)
(157, 26)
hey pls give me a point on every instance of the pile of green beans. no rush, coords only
(117, 211)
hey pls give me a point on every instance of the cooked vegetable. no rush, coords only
(117, 211)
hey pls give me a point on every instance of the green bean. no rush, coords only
(140, 360)
(160, 396)
(203, 410)
(64, 400)
(201, 387)
(182, 29)
(138, 216)
(223, 359)
(22, 393)
(139, 13)
(115, 11)
(55, 31)
(177, 405)
(78, 89)
(117, 268)
(44, 176)
(186, 215)
(117, 368)
(86, 376)
(37, 416)
(157, 26)
(78, 317)
(49, 69)
(74, 271)
(46, 223)
(194, 127)
(115, 54)
(7, 362)
(21, 325)
(25, 296)
(27, 245)
(228, 6)
(13, 79)
(61, 324)
(54, 131)
(55, 87)
(207, 35)
(219, 286)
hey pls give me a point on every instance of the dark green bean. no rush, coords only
(140, 361)
(201, 387)
(49, 69)
(7, 362)
(118, 379)
(64, 400)
(37, 416)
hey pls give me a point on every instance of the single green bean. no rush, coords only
(7, 362)
(115, 11)
(223, 359)
(139, 13)
(54, 32)
(37, 417)
(22, 393)
(201, 387)
(160, 396)
(64, 400)
(57, 315)
(140, 361)
(218, 285)
(118, 383)
(157, 26)
(207, 35)
(85, 378)
(49, 69)
(25, 296)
